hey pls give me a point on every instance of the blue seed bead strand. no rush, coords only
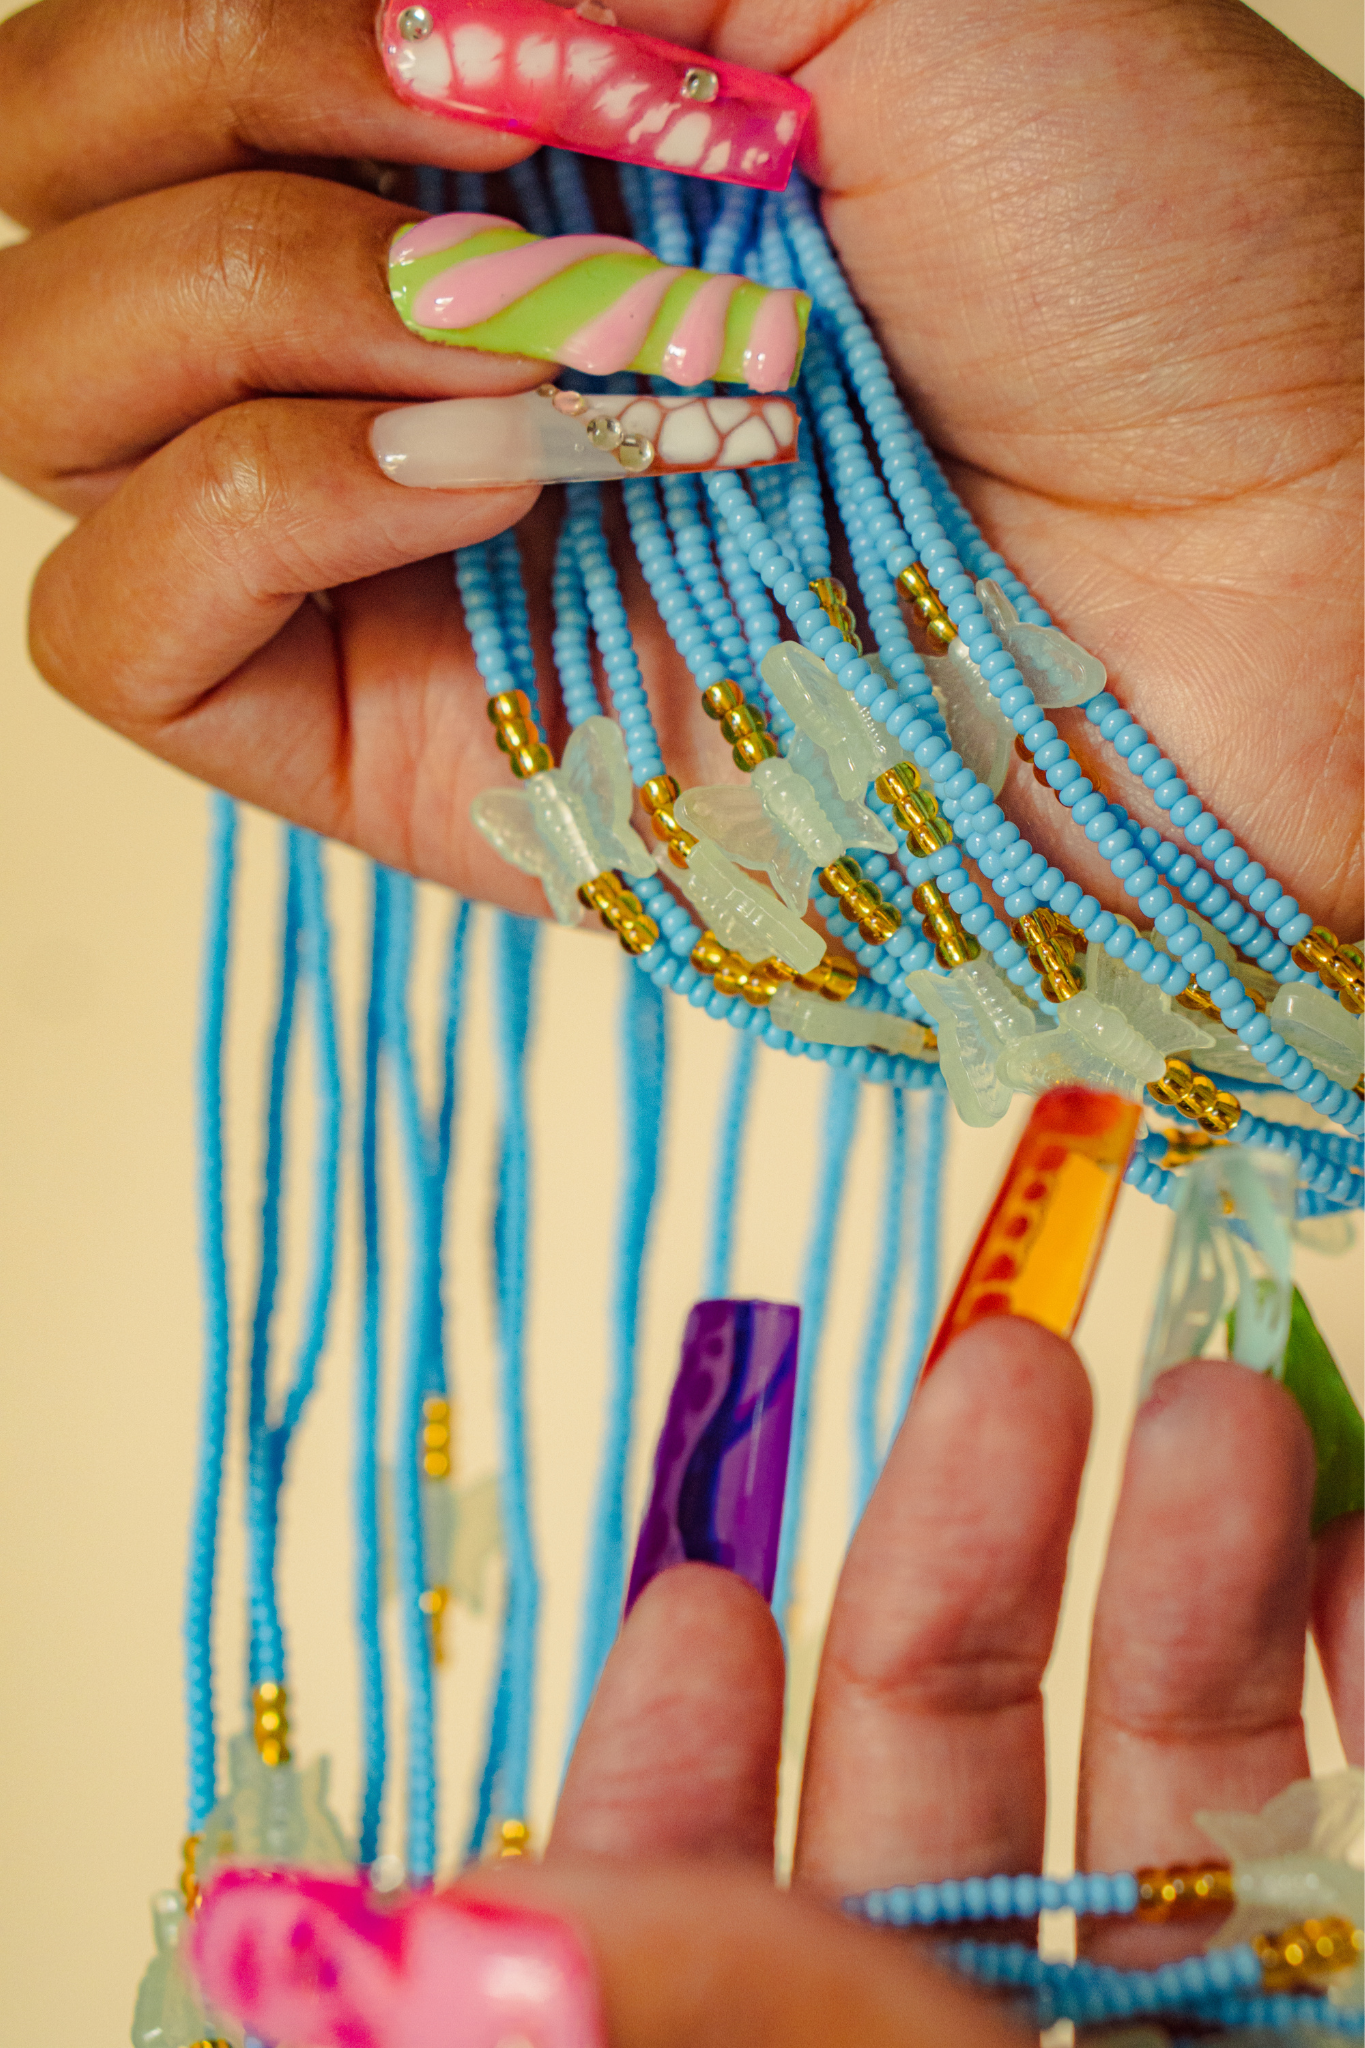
(1272, 921)
(1324, 1184)
(615, 644)
(670, 235)
(489, 597)
(510, 591)
(1092, 1992)
(569, 640)
(995, 1898)
(1119, 847)
(731, 231)
(692, 555)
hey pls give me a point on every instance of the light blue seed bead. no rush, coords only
(1126, 859)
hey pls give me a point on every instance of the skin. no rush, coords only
(1110, 249)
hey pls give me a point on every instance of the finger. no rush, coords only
(1196, 1667)
(926, 1747)
(678, 1752)
(1338, 1593)
(101, 99)
(654, 1957)
(176, 614)
(235, 287)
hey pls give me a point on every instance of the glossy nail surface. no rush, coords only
(293, 1957)
(546, 72)
(550, 436)
(1041, 1240)
(596, 302)
(720, 1470)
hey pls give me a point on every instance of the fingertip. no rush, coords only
(1242, 1420)
(678, 1751)
(1008, 1358)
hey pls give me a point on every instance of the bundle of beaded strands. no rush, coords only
(720, 560)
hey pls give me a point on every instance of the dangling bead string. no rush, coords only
(202, 1563)
(867, 1384)
(305, 929)
(725, 1185)
(955, 594)
(644, 1073)
(369, 1635)
(841, 1122)
(506, 1770)
(925, 1237)
(422, 1387)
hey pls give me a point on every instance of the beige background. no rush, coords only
(103, 865)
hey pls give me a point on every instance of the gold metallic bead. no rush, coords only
(941, 631)
(1224, 1112)
(1307, 1952)
(218, 2041)
(753, 748)
(514, 1840)
(532, 760)
(895, 785)
(433, 1604)
(731, 975)
(744, 718)
(718, 698)
(1183, 1891)
(941, 927)
(707, 954)
(1051, 953)
(840, 877)
(914, 583)
(507, 705)
(659, 794)
(834, 603)
(189, 1881)
(832, 978)
(1170, 1089)
(269, 1703)
(514, 733)
(1183, 1146)
(879, 925)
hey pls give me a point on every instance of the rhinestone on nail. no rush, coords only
(570, 402)
(635, 452)
(415, 24)
(605, 433)
(700, 84)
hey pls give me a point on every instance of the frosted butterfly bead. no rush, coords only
(747, 918)
(273, 1813)
(979, 730)
(1297, 1859)
(1056, 670)
(1315, 1023)
(979, 1018)
(569, 824)
(169, 2012)
(819, 1022)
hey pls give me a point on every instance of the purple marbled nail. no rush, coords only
(720, 1470)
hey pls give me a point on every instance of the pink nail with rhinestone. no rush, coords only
(577, 80)
(293, 1957)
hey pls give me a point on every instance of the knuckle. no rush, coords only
(247, 248)
(225, 42)
(241, 491)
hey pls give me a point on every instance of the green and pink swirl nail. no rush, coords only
(595, 303)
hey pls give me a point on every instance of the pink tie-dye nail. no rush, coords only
(534, 69)
(295, 1957)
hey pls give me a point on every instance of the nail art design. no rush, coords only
(1040, 1243)
(576, 79)
(295, 1957)
(720, 1471)
(555, 437)
(595, 302)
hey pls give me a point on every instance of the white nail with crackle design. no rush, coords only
(551, 436)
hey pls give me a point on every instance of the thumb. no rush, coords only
(657, 1956)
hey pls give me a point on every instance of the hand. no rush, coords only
(1110, 250)
(926, 1755)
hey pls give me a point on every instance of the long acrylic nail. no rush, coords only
(550, 436)
(720, 1470)
(574, 78)
(595, 302)
(293, 1957)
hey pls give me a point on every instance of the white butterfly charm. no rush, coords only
(977, 727)
(1115, 1035)
(745, 917)
(797, 814)
(1298, 1858)
(980, 1020)
(572, 823)
(819, 1022)
(1056, 670)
